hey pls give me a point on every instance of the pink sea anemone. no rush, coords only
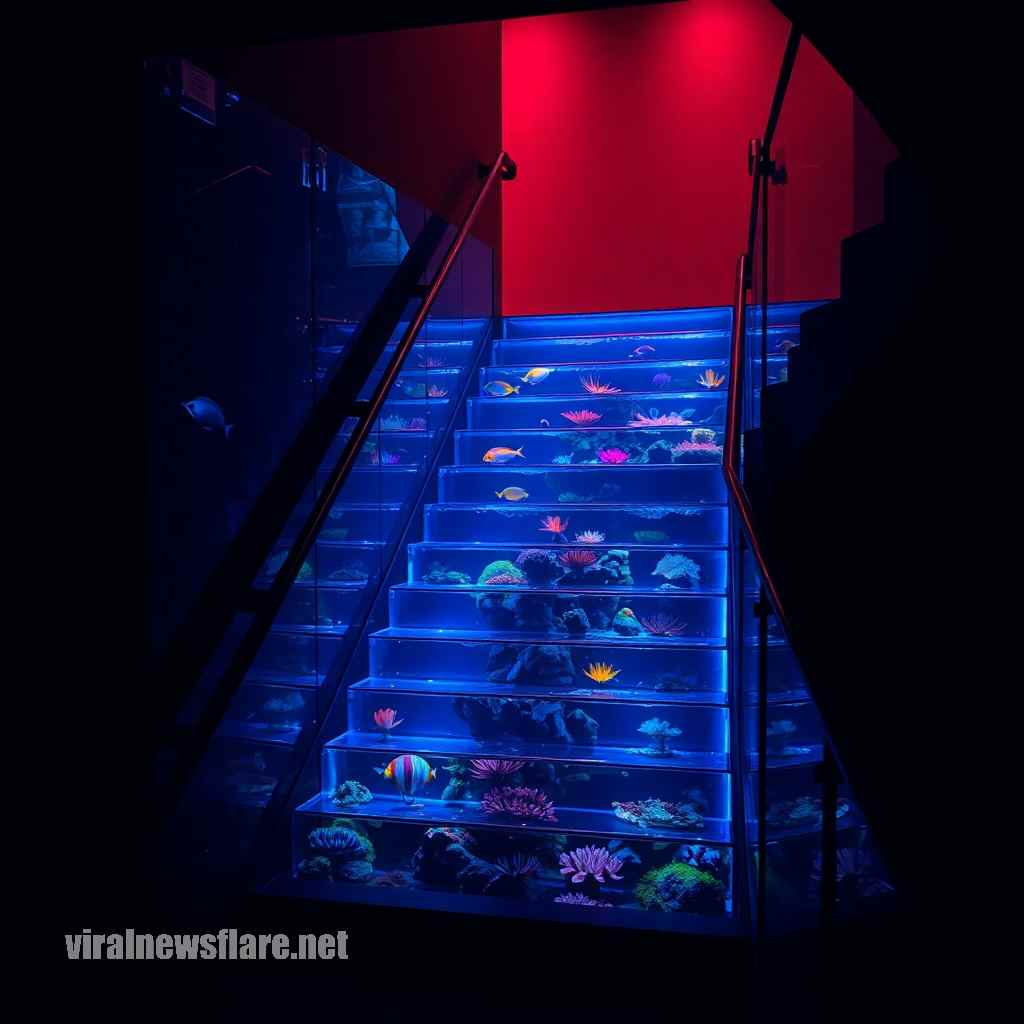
(577, 558)
(518, 866)
(431, 362)
(613, 456)
(435, 392)
(595, 387)
(590, 537)
(590, 860)
(493, 768)
(582, 417)
(671, 419)
(662, 625)
(519, 802)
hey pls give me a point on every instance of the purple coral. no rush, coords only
(590, 860)
(577, 899)
(518, 802)
(493, 768)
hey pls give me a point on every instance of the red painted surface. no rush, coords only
(418, 108)
(630, 129)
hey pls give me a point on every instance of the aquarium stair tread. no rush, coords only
(569, 590)
(570, 820)
(682, 508)
(675, 395)
(280, 736)
(595, 695)
(296, 630)
(296, 680)
(590, 640)
(586, 754)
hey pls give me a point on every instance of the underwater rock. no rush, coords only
(805, 810)
(674, 681)
(611, 569)
(542, 720)
(600, 609)
(314, 867)
(576, 622)
(681, 887)
(534, 612)
(663, 813)
(541, 663)
(659, 453)
(442, 860)
(496, 610)
(440, 573)
(350, 793)
(397, 879)
(541, 567)
(625, 623)
(353, 871)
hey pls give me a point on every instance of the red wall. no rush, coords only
(630, 128)
(418, 108)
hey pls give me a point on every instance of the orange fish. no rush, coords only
(502, 455)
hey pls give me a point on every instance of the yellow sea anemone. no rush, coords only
(600, 673)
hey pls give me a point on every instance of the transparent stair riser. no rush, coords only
(636, 617)
(352, 522)
(325, 604)
(525, 413)
(553, 327)
(514, 866)
(795, 734)
(602, 378)
(525, 524)
(534, 669)
(577, 792)
(639, 733)
(272, 713)
(582, 485)
(628, 347)
(417, 384)
(784, 678)
(436, 411)
(390, 447)
(295, 657)
(589, 446)
(794, 804)
(369, 484)
(242, 772)
(547, 565)
(449, 355)
(616, 348)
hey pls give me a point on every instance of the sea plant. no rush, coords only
(386, 719)
(600, 672)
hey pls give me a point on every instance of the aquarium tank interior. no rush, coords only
(520, 670)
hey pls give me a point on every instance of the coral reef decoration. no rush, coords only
(661, 380)
(674, 567)
(590, 860)
(590, 537)
(662, 625)
(350, 793)
(577, 899)
(577, 558)
(671, 419)
(710, 379)
(435, 392)
(662, 813)
(518, 866)
(613, 456)
(554, 524)
(340, 842)
(681, 887)
(503, 579)
(594, 386)
(582, 417)
(600, 672)
(387, 719)
(660, 732)
(451, 834)
(430, 362)
(417, 423)
(696, 448)
(702, 435)
(493, 768)
(519, 802)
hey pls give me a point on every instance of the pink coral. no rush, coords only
(577, 558)
(590, 860)
(582, 417)
(493, 768)
(613, 456)
(701, 447)
(502, 579)
(519, 802)
(671, 419)
(387, 718)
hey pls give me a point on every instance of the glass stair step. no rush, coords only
(330, 560)
(592, 446)
(582, 485)
(706, 408)
(624, 525)
(323, 603)
(585, 691)
(387, 484)
(577, 379)
(516, 723)
(577, 784)
(641, 616)
(415, 383)
(617, 348)
(297, 653)
(645, 670)
(350, 521)
(709, 318)
(695, 569)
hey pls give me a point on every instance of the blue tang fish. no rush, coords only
(208, 414)
(409, 772)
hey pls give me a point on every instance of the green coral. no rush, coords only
(351, 792)
(679, 886)
(499, 568)
(354, 826)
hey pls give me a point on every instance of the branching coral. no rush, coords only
(519, 802)
(661, 732)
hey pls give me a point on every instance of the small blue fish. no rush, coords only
(500, 389)
(641, 351)
(208, 414)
